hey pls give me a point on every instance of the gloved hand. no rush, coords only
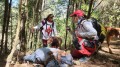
(77, 34)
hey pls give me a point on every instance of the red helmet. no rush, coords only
(79, 13)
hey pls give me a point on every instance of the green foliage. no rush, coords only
(85, 7)
(108, 12)
(31, 4)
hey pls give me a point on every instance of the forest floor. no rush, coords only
(3, 60)
(102, 59)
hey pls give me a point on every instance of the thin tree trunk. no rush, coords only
(31, 34)
(4, 25)
(11, 34)
(90, 8)
(27, 24)
(41, 4)
(73, 25)
(37, 11)
(80, 4)
(22, 36)
(77, 5)
(67, 23)
(85, 1)
(7, 25)
(97, 5)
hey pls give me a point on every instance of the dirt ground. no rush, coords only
(102, 59)
(2, 60)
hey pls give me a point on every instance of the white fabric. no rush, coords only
(47, 35)
(85, 29)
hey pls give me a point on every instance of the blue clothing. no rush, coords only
(41, 55)
(68, 59)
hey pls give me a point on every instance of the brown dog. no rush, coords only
(111, 32)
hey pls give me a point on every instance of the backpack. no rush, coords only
(101, 31)
(96, 26)
(45, 22)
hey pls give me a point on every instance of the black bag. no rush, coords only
(76, 44)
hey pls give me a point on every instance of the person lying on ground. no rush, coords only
(43, 55)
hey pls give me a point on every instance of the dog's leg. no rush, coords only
(108, 43)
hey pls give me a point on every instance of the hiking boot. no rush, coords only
(84, 59)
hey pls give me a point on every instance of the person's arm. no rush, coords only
(90, 31)
(37, 26)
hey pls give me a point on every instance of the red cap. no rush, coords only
(78, 13)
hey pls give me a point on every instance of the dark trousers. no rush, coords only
(44, 42)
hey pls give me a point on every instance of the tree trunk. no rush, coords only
(11, 33)
(4, 25)
(9, 58)
(90, 8)
(40, 5)
(30, 40)
(37, 11)
(22, 36)
(7, 25)
(67, 22)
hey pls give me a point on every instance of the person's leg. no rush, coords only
(30, 58)
(67, 59)
(101, 38)
(38, 61)
(44, 42)
(76, 53)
